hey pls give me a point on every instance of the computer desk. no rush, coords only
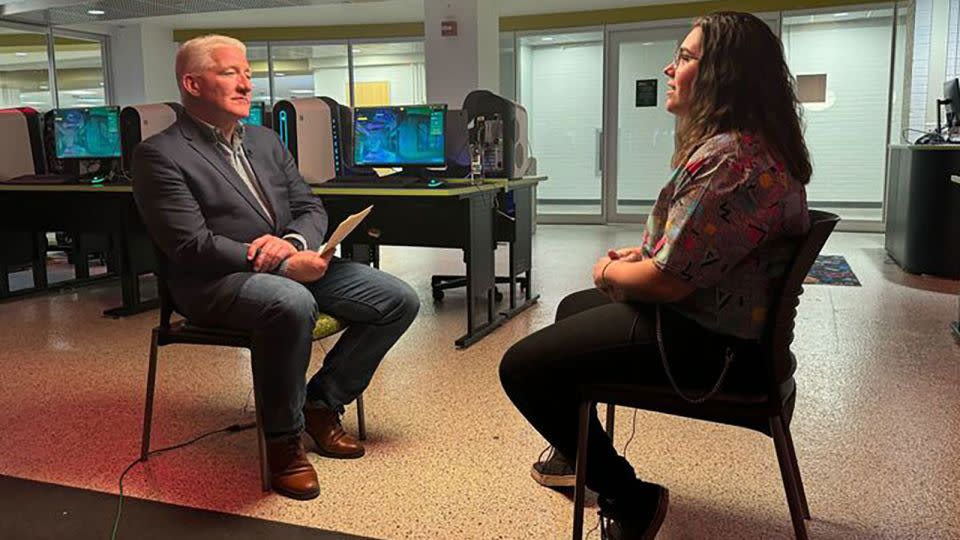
(107, 209)
(461, 216)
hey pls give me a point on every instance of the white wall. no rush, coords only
(457, 65)
(143, 58)
(845, 136)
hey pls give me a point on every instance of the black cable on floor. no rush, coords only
(233, 428)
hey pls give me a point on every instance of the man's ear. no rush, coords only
(191, 84)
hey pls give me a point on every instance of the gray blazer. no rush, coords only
(201, 215)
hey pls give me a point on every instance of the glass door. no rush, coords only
(560, 83)
(640, 131)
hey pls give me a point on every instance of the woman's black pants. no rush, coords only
(595, 340)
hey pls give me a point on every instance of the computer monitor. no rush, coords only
(256, 114)
(951, 98)
(399, 136)
(87, 133)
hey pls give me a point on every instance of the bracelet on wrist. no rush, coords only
(603, 273)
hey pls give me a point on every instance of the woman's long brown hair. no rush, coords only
(743, 85)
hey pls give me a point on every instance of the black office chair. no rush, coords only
(183, 332)
(765, 405)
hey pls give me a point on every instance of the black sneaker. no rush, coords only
(638, 519)
(554, 471)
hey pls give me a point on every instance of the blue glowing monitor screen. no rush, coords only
(91, 133)
(398, 136)
(256, 115)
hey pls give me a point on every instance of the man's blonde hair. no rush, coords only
(195, 55)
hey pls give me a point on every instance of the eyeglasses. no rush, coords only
(683, 55)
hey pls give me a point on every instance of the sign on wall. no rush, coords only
(646, 93)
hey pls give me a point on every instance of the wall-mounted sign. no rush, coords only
(448, 28)
(646, 93)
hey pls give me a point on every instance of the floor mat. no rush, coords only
(831, 270)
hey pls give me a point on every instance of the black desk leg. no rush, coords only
(129, 282)
(40, 261)
(81, 265)
(521, 251)
(4, 280)
(479, 259)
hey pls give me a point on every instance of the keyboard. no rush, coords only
(386, 182)
(42, 179)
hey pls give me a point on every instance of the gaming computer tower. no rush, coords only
(23, 150)
(306, 128)
(499, 133)
(138, 122)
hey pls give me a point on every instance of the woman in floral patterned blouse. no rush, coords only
(702, 275)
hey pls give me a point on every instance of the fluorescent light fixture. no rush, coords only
(279, 74)
(19, 54)
(844, 14)
(547, 38)
(44, 87)
(647, 43)
(83, 92)
(33, 102)
(300, 91)
(96, 12)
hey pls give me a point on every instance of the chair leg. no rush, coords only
(796, 471)
(580, 487)
(361, 424)
(788, 470)
(148, 401)
(611, 416)
(261, 440)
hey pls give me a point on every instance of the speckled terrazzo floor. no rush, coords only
(877, 427)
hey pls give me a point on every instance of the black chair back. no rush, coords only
(779, 332)
(167, 305)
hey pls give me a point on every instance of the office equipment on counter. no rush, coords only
(21, 153)
(499, 134)
(306, 127)
(140, 122)
(87, 133)
(923, 209)
(255, 118)
(411, 137)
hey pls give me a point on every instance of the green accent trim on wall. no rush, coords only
(39, 40)
(309, 33)
(548, 21)
(662, 12)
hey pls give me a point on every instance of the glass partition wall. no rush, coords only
(24, 69)
(79, 69)
(842, 61)
(560, 82)
(600, 132)
(43, 69)
(361, 73)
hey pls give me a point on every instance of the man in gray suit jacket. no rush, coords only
(239, 229)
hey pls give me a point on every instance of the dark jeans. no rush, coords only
(595, 340)
(376, 307)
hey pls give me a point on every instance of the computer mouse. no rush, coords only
(435, 183)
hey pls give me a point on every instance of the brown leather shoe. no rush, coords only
(324, 426)
(290, 472)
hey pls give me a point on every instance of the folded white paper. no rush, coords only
(346, 227)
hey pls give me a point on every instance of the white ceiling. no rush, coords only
(365, 11)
